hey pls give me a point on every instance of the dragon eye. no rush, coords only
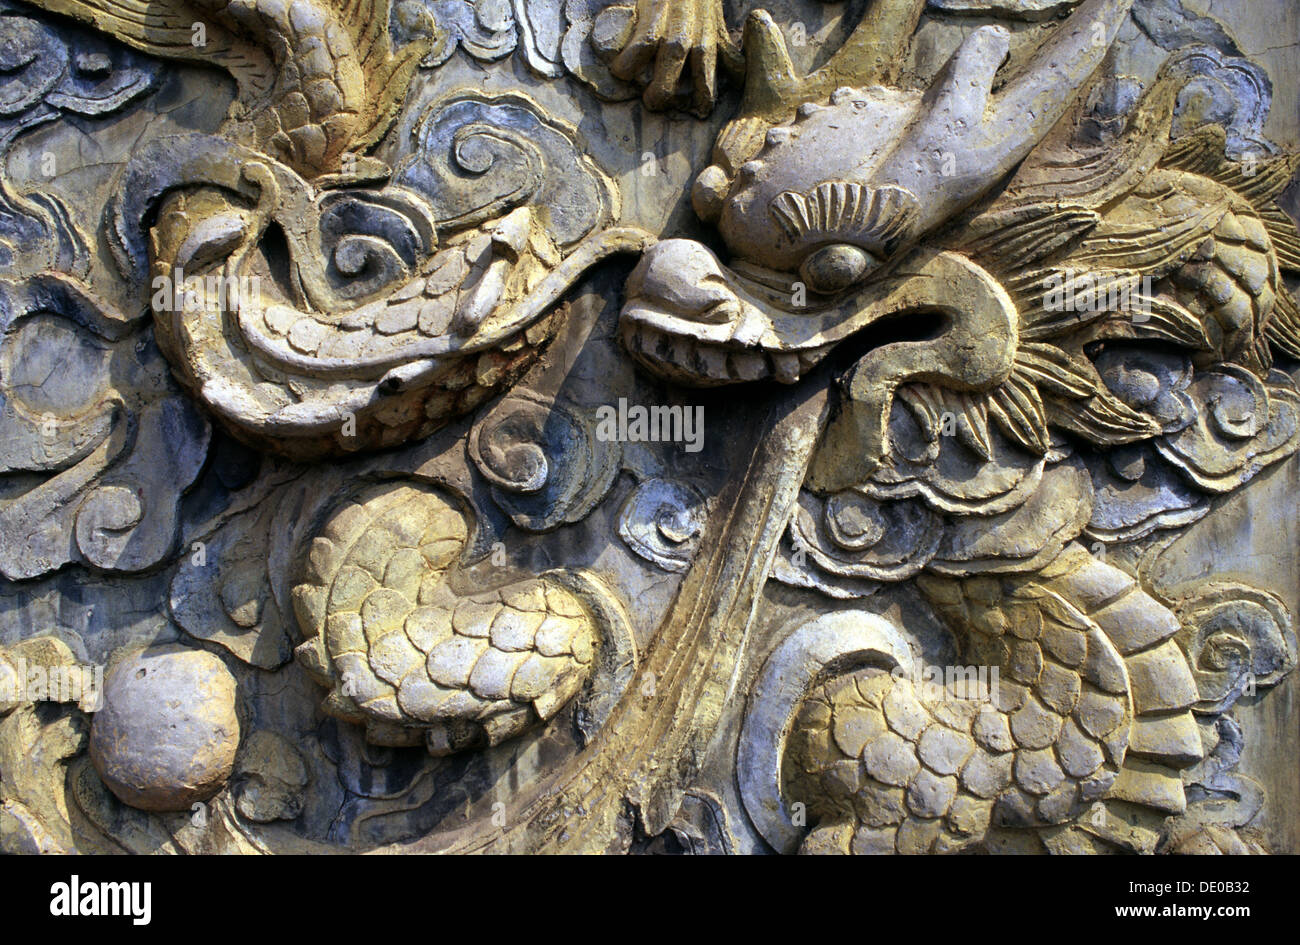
(835, 268)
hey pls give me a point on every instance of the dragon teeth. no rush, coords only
(747, 366)
(785, 367)
(711, 361)
(749, 329)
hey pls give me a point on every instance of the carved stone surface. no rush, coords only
(643, 425)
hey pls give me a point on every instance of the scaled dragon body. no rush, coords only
(360, 306)
(968, 461)
(961, 459)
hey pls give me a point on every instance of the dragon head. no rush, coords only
(825, 189)
(787, 193)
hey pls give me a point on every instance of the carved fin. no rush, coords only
(1166, 320)
(1121, 309)
(1056, 372)
(1056, 302)
(1104, 420)
(1203, 152)
(1261, 184)
(1160, 240)
(1075, 398)
(1200, 152)
(1286, 238)
(1283, 329)
(1024, 236)
(1059, 171)
(388, 72)
(167, 31)
(1017, 408)
(970, 410)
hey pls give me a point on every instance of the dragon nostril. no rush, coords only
(835, 268)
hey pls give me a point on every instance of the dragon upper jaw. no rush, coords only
(695, 323)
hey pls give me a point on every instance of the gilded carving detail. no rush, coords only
(366, 399)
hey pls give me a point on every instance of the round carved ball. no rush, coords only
(166, 734)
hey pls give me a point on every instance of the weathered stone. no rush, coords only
(853, 730)
(904, 713)
(877, 805)
(1008, 284)
(985, 775)
(1059, 688)
(167, 734)
(992, 731)
(1037, 771)
(1098, 714)
(869, 841)
(943, 750)
(929, 795)
(1161, 679)
(1034, 725)
(270, 778)
(1175, 739)
(1079, 755)
(891, 760)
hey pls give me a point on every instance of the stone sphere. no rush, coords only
(167, 733)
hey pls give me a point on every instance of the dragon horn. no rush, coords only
(877, 50)
(872, 55)
(994, 133)
(771, 83)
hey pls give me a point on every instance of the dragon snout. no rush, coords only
(691, 320)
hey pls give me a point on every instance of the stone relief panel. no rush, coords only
(671, 426)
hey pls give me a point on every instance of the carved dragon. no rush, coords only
(390, 310)
(319, 302)
(387, 302)
(831, 194)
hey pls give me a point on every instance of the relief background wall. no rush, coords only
(346, 793)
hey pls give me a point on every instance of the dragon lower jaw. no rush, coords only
(671, 325)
